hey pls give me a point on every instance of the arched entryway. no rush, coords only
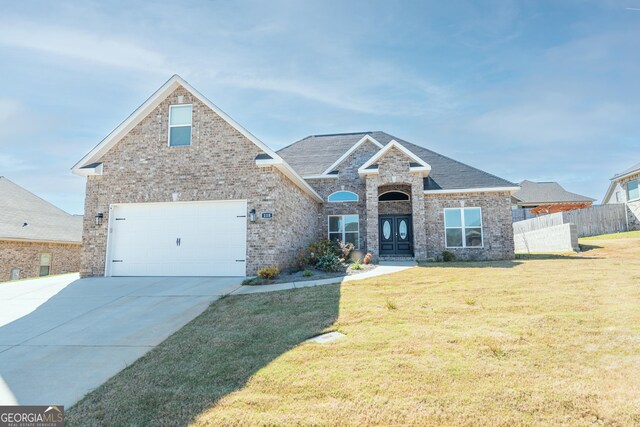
(395, 221)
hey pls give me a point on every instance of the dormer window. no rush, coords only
(180, 125)
(343, 196)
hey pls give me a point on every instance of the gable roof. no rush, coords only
(45, 222)
(417, 164)
(546, 192)
(630, 171)
(314, 154)
(90, 161)
(633, 169)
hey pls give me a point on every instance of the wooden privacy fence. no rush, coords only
(599, 219)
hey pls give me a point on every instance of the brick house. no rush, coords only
(542, 198)
(625, 188)
(180, 188)
(36, 238)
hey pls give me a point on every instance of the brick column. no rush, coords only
(419, 218)
(372, 215)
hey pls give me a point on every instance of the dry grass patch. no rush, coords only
(546, 341)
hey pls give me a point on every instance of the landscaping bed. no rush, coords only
(308, 274)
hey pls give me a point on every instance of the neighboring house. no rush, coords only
(36, 238)
(624, 188)
(180, 188)
(541, 198)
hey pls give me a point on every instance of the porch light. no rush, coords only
(252, 215)
(99, 218)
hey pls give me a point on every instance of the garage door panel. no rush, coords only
(179, 239)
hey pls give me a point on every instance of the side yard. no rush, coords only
(541, 340)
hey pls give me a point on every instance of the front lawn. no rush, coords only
(543, 341)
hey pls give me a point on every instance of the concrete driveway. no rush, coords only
(61, 337)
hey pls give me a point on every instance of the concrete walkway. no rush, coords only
(384, 268)
(61, 336)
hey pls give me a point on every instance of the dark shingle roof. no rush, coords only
(314, 154)
(546, 192)
(634, 168)
(45, 222)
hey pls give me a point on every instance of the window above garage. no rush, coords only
(180, 125)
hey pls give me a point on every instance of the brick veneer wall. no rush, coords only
(348, 180)
(219, 165)
(496, 224)
(393, 169)
(65, 258)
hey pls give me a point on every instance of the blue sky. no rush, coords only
(540, 90)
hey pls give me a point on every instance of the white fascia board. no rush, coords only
(148, 106)
(97, 170)
(393, 144)
(351, 150)
(297, 179)
(618, 178)
(473, 190)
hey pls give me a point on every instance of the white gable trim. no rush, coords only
(351, 150)
(156, 99)
(424, 167)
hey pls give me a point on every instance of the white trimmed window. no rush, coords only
(343, 196)
(45, 264)
(180, 125)
(463, 227)
(633, 192)
(345, 228)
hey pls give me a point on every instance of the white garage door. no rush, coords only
(178, 239)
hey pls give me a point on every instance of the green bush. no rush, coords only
(356, 265)
(329, 262)
(269, 273)
(312, 253)
(448, 256)
(307, 273)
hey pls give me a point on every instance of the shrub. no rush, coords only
(329, 262)
(367, 258)
(356, 265)
(269, 273)
(307, 273)
(310, 255)
(448, 256)
(345, 249)
(253, 281)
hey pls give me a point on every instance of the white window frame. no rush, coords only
(179, 126)
(343, 232)
(343, 201)
(40, 264)
(463, 228)
(628, 195)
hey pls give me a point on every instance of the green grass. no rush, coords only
(543, 341)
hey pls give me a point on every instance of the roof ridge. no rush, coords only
(36, 196)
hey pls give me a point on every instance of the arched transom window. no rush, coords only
(343, 196)
(393, 196)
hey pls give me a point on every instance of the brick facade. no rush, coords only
(496, 224)
(218, 165)
(65, 258)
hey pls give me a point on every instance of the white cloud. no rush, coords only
(80, 45)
